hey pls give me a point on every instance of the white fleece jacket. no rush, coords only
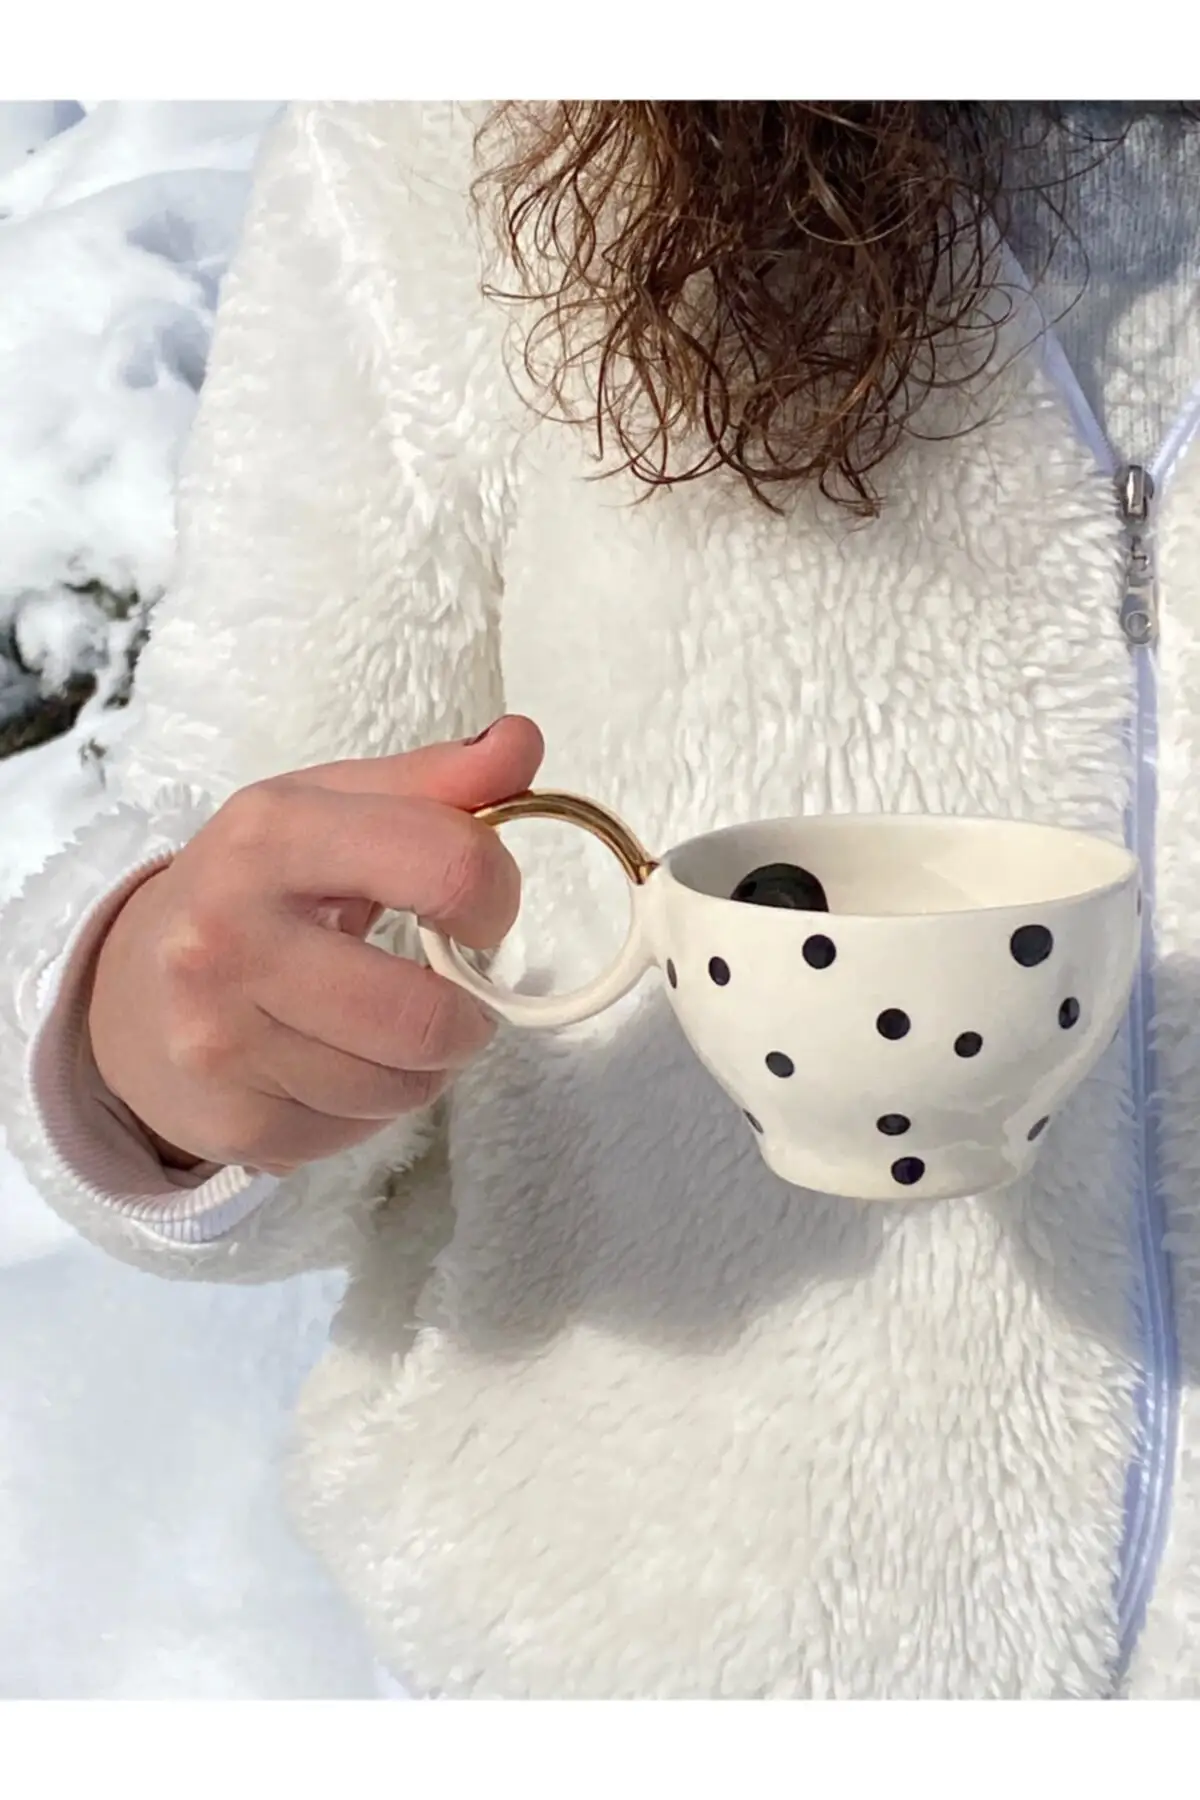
(610, 1411)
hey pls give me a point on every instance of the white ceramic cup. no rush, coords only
(914, 1041)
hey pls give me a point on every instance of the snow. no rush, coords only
(58, 633)
(114, 236)
(144, 1552)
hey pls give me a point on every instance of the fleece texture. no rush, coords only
(609, 1410)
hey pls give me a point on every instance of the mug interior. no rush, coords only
(887, 864)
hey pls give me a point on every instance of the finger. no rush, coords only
(289, 1135)
(259, 1129)
(406, 854)
(382, 1009)
(339, 1085)
(503, 762)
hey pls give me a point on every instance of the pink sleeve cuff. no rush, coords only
(94, 1137)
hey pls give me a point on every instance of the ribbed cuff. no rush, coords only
(96, 1139)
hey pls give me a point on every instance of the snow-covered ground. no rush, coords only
(143, 1548)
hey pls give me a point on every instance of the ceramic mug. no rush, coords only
(912, 1041)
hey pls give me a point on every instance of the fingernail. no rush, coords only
(480, 735)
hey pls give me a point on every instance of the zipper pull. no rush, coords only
(1139, 600)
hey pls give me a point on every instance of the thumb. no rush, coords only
(502, 761)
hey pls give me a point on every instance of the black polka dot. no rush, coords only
(1030, 945)
(1068, 1013)
(781, 1065)
(908, 1170)
(893, 1023)
(893, 1124)
(819, 952)
(1036, 1130)
(754, 1122)
(968, 1043)
(718, 969)
(672, 977)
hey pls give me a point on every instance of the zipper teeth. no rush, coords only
(1147, 1493)
(1157, 1400)
(1177, 440)
(1151, 1478)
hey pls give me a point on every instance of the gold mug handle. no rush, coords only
(547, 1011)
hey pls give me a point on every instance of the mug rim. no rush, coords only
(1125, 863)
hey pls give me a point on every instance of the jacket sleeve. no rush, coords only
(336, 595)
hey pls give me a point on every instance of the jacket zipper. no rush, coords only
(1150, 1478)
(1151, 1474)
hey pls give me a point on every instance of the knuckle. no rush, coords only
(469, 871)
(198, 944)
(427, 1025)
(430, 1029)
(253, 817)
(199, 1046)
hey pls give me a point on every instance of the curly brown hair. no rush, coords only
(772, 287)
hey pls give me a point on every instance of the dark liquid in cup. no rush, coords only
(782, 884)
